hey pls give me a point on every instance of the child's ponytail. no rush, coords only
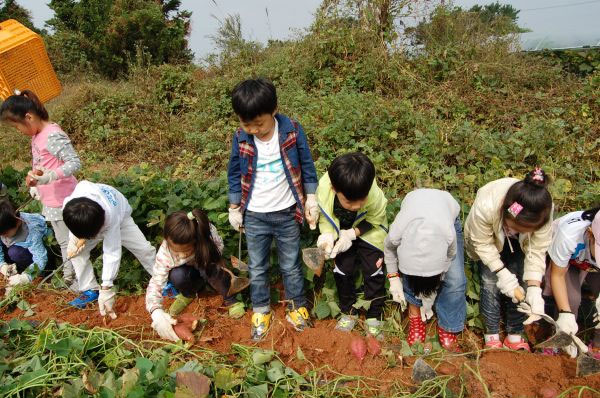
(589, 215)
(206, 250)
(528, 202)
(15, 107)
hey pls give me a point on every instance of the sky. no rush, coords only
(554, 23)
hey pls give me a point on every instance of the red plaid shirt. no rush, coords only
(294, 173)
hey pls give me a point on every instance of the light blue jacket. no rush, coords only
(36, 224)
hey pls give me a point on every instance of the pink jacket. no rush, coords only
(52, 149)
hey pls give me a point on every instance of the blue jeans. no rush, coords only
(493, 303)
(261, 229)
(451, 303)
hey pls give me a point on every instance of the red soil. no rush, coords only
(507, 374)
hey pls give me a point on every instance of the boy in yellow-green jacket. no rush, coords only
(353, 227)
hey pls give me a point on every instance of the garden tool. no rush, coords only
(235, 261)
(314, 258)
(79, 244)
(236, 283)
(422, 371)
(586, 364)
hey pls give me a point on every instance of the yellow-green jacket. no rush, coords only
(373, 211)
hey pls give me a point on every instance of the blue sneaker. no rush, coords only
(169, 290)
(86, 297)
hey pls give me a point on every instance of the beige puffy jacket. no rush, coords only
(484, 235)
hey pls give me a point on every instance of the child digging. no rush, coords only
(53, 154)
(98, 212)
(189, 257)
(23, 253)
(272, 181)
(425, 244)
(508, 231)
(573, 262)
(353, 228)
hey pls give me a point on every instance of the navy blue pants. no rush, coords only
(18, 255)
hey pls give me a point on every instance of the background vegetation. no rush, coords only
(450, 103)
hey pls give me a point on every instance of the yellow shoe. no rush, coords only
(260, 325)
(300, 319)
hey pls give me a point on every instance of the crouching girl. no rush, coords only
(189, 257)
(508, 231)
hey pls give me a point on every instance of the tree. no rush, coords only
(112, 33)
(9, 9)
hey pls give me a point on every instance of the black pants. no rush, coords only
(361, 256)
(190, 281)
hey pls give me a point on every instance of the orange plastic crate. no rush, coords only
(24, 63)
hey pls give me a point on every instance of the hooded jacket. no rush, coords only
(422, 238)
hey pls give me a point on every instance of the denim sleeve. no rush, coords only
(234, 174)
(309, 172)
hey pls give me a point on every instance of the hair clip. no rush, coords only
(190, 216)
(515, 209)
(17, 91)
(538, 175)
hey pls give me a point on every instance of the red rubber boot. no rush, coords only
(416, 330)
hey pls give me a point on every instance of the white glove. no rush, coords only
(46, 178)
(75, 246)
(566, 322)
(8, 270)
(533, 304)
(344, 242)
(34, 193)
(325, 243)
(236, 219)
(18, 279)
(106, 301)
(597, 317)
(397, 291)
(427, 307)
(163, 324)
(507, 283)
(311, 210)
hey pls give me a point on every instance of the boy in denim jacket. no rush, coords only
(272, 184)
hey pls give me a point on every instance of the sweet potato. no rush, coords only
(358, 348)
(190, 320)
(183, 332)
(373, 346)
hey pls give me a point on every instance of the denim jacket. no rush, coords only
(297, 160)
(36, 224)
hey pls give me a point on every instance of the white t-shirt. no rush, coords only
(271, 191)
(569, 240)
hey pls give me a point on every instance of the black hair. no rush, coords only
(83, 217)
(532, 194)
(181, 230)
(15, 107)
(254, 97)
(352, 174)
(589, 215)
(9, 216)
(423, 285)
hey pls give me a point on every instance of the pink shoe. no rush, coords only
(594, 351)
(493, 343)
(519, 345)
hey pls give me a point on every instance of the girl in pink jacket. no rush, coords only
(54, 162)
